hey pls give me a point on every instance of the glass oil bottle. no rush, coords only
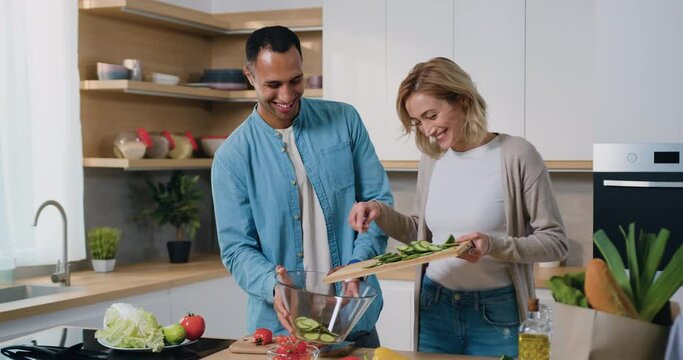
(534, 335)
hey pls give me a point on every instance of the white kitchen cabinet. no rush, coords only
(87, 316)
(534, 63)
(221, 302)
(395, 326)
(416, 32)
(354, 66)
(639, 71)
(560, 77)
(489, 45)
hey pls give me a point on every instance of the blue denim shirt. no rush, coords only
(257, 203)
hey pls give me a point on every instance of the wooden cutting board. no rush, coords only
(245, 346)
(356, 270)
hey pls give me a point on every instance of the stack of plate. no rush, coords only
(223, 79)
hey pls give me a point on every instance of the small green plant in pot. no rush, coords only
(177, 204)
(103, 242)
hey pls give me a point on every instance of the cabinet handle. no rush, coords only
(643, 184)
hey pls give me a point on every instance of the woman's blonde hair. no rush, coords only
(443, 79)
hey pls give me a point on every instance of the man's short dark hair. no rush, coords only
(277, 39)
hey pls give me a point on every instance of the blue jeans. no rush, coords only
(482, 323)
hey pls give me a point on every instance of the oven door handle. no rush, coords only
(643, 184)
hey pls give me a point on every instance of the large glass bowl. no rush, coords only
(319, 312)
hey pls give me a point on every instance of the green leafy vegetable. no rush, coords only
(648, 294)
(568, 289)
(127, 326)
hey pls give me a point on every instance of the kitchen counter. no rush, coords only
(205, 348)
(359, 352)
(90, 287)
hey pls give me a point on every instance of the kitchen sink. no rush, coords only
(21, 292)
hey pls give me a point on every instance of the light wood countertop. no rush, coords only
(90, 287)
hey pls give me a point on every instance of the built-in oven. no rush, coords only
(641, 183)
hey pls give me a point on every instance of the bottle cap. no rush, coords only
(532, 304)
(192, 140)
(169, 138)
(144, 137)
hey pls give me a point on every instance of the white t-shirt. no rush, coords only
(466, 195)
(314, 229)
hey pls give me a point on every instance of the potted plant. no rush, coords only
(177, 204)
(103, 242)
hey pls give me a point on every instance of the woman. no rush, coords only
(491, 189)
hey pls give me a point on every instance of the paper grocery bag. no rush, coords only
(586, 334)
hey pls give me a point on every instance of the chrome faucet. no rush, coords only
(62, 274)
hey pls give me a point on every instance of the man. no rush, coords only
(285, 181)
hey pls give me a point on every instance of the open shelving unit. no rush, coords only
(179, 41)
(179, 91)
(154, 13)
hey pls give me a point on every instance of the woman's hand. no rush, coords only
(362, 214)
(279, 304)
(482, 244)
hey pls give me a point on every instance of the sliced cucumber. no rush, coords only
(418, 247)
(433, 247)
(327, 338)
(306, 324)
(311, 336)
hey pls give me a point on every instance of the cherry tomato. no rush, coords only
(194, 325)
(263, 336)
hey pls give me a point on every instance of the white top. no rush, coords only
(314, 229)
(466, 195)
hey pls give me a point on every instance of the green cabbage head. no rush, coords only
(127, 326)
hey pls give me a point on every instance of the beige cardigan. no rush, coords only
(533, 223)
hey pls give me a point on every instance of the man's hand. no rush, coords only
(482, 244)
(278, 302)
(362, 214)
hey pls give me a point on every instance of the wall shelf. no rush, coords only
(205, 163)
(178, 91)
(147, 164)
(182, 19)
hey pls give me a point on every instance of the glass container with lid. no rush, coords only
(132, 144)
(162, 144)
(185, 146)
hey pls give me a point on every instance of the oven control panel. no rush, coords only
(638, 157)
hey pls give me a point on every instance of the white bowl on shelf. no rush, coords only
(211, 143)
(165, 79)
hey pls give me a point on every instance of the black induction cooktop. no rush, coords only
(49, 343)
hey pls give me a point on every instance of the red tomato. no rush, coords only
(194, 326)
(284, 349)
(300, 348)
(263, 336)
